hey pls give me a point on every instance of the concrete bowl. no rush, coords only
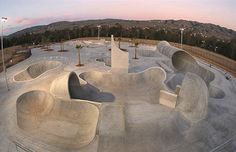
(65, 124)
(36, 70)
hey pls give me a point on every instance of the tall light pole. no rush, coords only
(4, 19)
(99, 28)
(181, 39)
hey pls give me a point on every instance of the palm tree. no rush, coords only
(79, 47)
(119, 39)
(135, 53)
(62, 45)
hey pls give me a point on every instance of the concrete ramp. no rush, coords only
(36, 70)
(192, 100)
(119, 58)
(66, 124)
(184, 62)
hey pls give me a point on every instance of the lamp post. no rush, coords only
(182, 33)
(99, 28)
(216, 48)
(4, 19)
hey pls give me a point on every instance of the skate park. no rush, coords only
(166, 100)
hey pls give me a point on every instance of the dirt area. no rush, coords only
(14, 55)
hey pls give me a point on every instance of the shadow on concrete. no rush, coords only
(87, 91)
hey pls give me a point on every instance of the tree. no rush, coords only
(45, 42)
(62, 45)
(79, 47)
(135, 50)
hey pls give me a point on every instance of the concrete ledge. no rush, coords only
(168, 99)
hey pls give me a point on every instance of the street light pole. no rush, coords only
(4, 19)
(182, 33)
(99, 27)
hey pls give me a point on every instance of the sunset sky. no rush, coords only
(27, 13)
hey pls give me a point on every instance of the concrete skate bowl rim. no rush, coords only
(40, 75)
(216, 93)
(47, 115)
(81, 75)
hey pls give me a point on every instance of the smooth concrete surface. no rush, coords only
(68, 124)
(37, 69)
(134, 121)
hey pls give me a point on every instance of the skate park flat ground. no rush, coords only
(133, 121)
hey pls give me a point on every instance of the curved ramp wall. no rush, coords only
(36, 70)
(67, 124)
(192, 99)
(69, 86)
(184, 62)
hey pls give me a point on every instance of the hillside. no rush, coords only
(204, 29)
(204, 35)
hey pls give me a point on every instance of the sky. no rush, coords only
(26, 13)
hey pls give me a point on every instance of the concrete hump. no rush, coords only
(36, 70)
(183, 62)
(62, 123)
(119, 58)
(192, 100)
